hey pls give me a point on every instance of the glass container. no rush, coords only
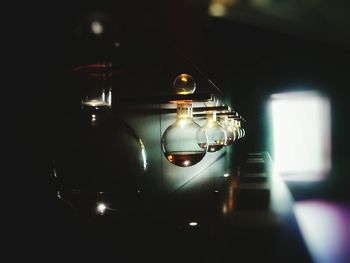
(99, 161)
(217, 137)
(184, 143)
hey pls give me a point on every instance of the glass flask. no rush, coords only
(99, 161)
(231, 136)
(231, 124)
(184, 143)
(217, 137)
(184, 84)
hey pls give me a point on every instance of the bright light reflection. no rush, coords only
(301, 134)
(183, 122)
(101, 208)
(325, 227)
(226, 175)
(96, 103)
(96, 27)
(54, 173)
(193, 223)
(143, 153)
(217, 9)
(109, 99)
(187, 163)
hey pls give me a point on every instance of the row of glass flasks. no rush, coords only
(99, 160)
(185, 142)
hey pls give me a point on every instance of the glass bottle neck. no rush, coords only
(184, 110)
(211, 116)
(97, 87)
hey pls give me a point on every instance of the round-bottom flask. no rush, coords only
(184, 143)
(231, 136)
(99, 163)
(216, 134)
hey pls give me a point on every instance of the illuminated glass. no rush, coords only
(184, 84)
(217, 137)
(184, 143)
(231, 136)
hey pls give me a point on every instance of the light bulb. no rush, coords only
(217, 137)
(231, 136)
(184, 143)
(184, 84)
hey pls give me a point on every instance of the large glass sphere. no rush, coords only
(184, 143)
(184, 84)
(100, 163)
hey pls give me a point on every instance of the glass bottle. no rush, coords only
(217, 136)
(100, 162)
(184, 143)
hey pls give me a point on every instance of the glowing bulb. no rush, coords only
(184, 84)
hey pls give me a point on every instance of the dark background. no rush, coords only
(247, 61)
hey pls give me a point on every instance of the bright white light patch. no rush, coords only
(325, 229)
(97, 27)
(101, 208)
(217, 9)
(187, 163)
(226, 175)
(301, 135)
(193, 223)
